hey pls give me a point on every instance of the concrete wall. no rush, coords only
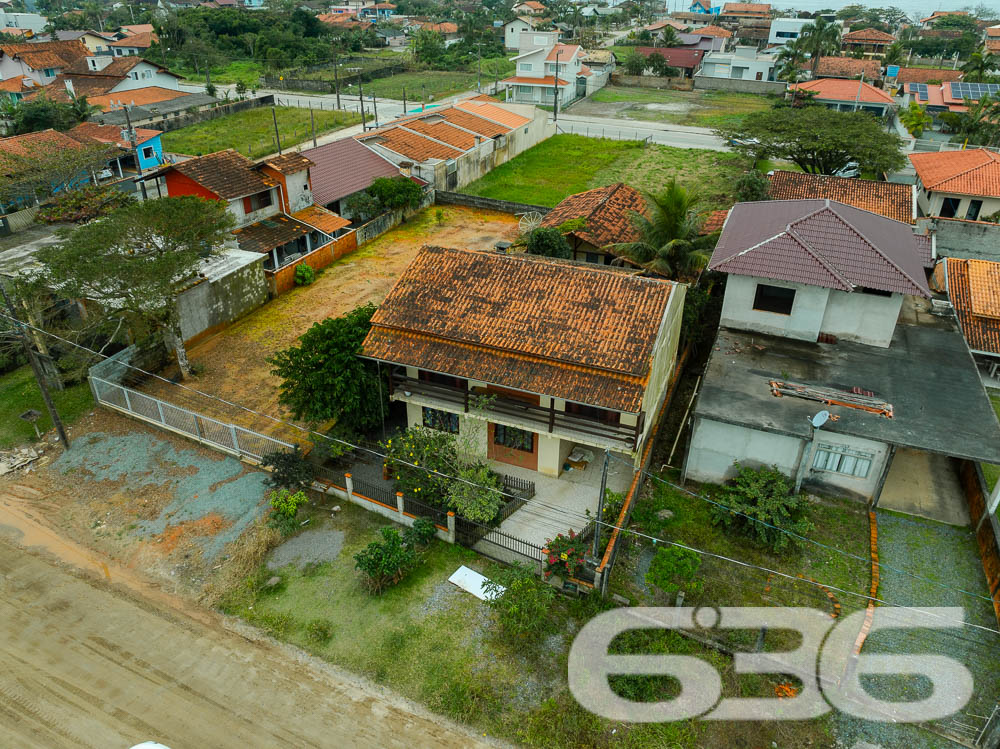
(443, 197)
(210, 305)
(650, 81)
(664, 360)
(805, 322)
(865, 318)
(862, 488)
(963, 238)
(741, 85)
(930, 204)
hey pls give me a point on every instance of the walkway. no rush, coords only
(927, 485)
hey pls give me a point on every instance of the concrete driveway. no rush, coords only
(927, 485)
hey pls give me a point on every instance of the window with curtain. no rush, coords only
(441, 420)
(842, 459)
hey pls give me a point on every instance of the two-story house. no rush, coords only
(527, 358)
(958, 184)
(546, 68)
(513, 29)
(830, 360)
(134, 44)
(39, 61)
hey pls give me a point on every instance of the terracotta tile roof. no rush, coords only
(974, 290)
(533, 4)
(993, 32)
(289, 163)
(137, 28)
(493, 112)
(343, 168)
(31, 144)
(713, 30)
(111, 133)
(41, 55)
(868, 36)
(581, 333)
(270, 232)
(549, 80)
(443, 132)
(226, 173)
(713, 222)
(841, 89)
(888, 199)
(922, 75)
(441, 28)
(975, 171)
(608, 212)
(137, 96)
(566, 52)
(144, 40)
(324, 220)
(993, 45)
(678, 57)
(18, 85)
(821, 243)
(848, 67)
(760, 8)
(408, 144)
(469, 121)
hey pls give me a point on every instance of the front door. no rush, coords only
(517, 447)
(581, 87)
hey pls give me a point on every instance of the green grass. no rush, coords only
(568, 164)
(254, 129)
(992, 472)
(19, 393)
(434, 84)
(242, 70)
(704, 108)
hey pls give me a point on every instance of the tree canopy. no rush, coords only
(817, 139)
(548, 242)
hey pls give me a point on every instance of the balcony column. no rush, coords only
(552, 414)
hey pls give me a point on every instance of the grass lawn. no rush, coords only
(435, 84)
(241, 70)
(19, 392)
(991, 472)
(568, 164)
(695, 108)
(254, 129)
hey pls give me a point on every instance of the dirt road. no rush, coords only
(89, 665)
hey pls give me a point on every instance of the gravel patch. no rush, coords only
(642, 567)
(441, 598)
(309, 547)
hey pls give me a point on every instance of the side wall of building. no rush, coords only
(210, 305)
(804, 323)
(865, 318)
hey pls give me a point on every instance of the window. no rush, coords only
(524, 89)
(518, 439)
(441, 420)
(526, 67)
(148, 152)
(787, 34)
(842, 459)
(50, 72)
(876, 292)
(975, 206)
(261, 200)
(950, 207)
(773, 299)
(593, 257)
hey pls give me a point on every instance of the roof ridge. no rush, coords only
(817, 256)
(966, 171)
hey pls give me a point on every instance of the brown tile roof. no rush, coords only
(974, 171)
(343, 168)
(226, 173)
(888, 199)
(974, 291)
(137, 96)
(581, 333)
(269, 233)
(608, 212)
(848, 67)
(322, 219)
(32, 144)
(136, 28)
(678, 57)
(759, 8)
(441, 28)
(408, 144)
(922, 75)
(842, 89)
(993, 32)
(868, 36)
(41, 55)
(493, 112)
(942, 13)
(712, 30)
(144, 40)
(993, 45)
(18, 85)
(821, 243)
(289, 163)
(111, 133)
(713, 222)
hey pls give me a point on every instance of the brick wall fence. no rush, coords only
(650, 81)
(704, 82)
(488, 204)
(283, 279)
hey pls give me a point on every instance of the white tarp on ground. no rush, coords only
(470, 581)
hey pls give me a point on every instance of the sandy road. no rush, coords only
(85, 664)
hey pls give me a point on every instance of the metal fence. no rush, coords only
(522, 488)
(600, 131)
(373, 491)
(228, 437)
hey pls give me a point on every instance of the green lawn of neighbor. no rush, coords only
(254, 129)
(703, 108)
(434, 84)
(240, 70)
(991, 472)
(568, 164)
(19, 393)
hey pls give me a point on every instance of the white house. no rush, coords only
(28, 21)
(743, 63)
(39, 61)
(545, 66)
(958, 184)
(784, 30)
(512, 30)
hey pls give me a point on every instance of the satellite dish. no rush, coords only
(529, 222)
(820, 419)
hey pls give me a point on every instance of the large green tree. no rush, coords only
(133, 262)
(323, 378)
(817, 139)
(791, 58)
(670, 242)
(40, 171)
(980, 66)
(819, 38)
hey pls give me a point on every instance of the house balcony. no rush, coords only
(512, 412)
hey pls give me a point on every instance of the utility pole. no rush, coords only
(375, 109)
(479, 60)
(36, 369)
(600, 507)
(404, 99)
(312, 122)
(135, 151)
(277, 135)
(555, 87)
(336, 76)
(361, 104)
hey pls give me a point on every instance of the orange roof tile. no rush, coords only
(922, 75)
(441, 28)
(993, 45)
(566, 52)
(889, 199)
(443, 132)
(607, 211)
(760, 8)
(137, 96)
(18, 84)
(289, 163)
(975, 171)
(111, 133)
(31, 144)
(143, 40)
(713, 222)
(993, 32)
(582, 333)
(493, 112)
(41, 55)
(713, 30)
(984, 287)
(549, 80)
(322, 219)
(868, 36)
(137, 28)
(839, 89)
(848, 67)
(408, 144)
(974, 290)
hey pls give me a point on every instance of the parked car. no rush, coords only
(105, 174)
(850, 169)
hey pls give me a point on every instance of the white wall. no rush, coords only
(147, 75)
(299, 195)
(245, 219)
(664, 357)
(788, 26)
(865, 318)
(930, 204)
(31, 21)
(805, 323)
(512, 33)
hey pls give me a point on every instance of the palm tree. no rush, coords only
(82, 109)
(915, 119)
(792, 57)
(893, 54)
(669, 242)
(980, 66)
(821, 37)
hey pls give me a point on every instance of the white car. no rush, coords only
(850, 169)
(105, 174)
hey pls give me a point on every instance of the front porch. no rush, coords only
(282, 239)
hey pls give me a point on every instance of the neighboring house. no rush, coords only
(600, 60)
(710, 30)
(947, 97)
(379, 11)
(890, 199)
(811, 322)
(136, 28)
(972, 287)
(743, 63)
(115, 75)
(342, 169)
(958, 184)
(271, 202)
(529, 8)
(449, 147)
(656, 29)
(512, 30)
(933, 18)
(39, 61)
(701, 7)
(148, 106)
(847, 67)
(17, 88)
(546, 66)
(28, 146)
(784, 30)
(448, 30)
(923, 75)
(391, 37)
(149, 149)
(869, 41)
(607, 214)
(694, 20)
(344, 21)
(738, 12)
(9, 22)
(848, 96)
(710, 42)
(567, 356)
(686, 60)
(136, 44)
(98, 42)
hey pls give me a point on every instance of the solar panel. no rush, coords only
(920, 89)
(974, 91)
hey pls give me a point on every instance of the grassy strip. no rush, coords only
(19, 393)
(705, 108)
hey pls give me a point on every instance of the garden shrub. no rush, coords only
(396, 192)
(304, 274)
(420, 533)
(765, 495)
(520, 601)
(284, 508)
(751, 186)
(319, 631)
(482, 498)
(424, 451)
(564, 555)
(363, 207)
(289, 470)
(84, 204)
(548, 242)
(384, 563)
(674, 569)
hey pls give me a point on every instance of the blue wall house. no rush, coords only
(148, 146)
